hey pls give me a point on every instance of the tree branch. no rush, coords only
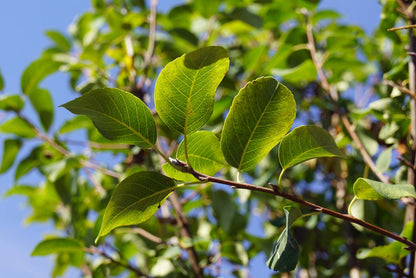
(401, 88)
(334, 97)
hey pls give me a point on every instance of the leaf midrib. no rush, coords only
(256, 126)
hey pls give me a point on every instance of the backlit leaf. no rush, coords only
(204, 154)
(260, 115)
(135, 200)
(285, 252)
(11, 102)
(36, 72)
(304, 143)
(373, 190)
(10, 150)
(185, 88)
(57, 245)
(60, 40)
(18, 127)
(42, 102)
(118, 115)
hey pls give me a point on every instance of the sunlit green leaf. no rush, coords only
(36, 72)
(1, 82)
(304, 143)
(42, 102)
(57, 245)
(304, 72)
(118, 115)
(285, 253)
(204, 154)
(373, 190)
(11, 102)
(392, 253)
(10, 149)
(135, 200)
(384, 159)
(185, 88)
(18, 127)
(260, 115)
(60, 40)
(75, 123)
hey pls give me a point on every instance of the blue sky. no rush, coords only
(22, 27)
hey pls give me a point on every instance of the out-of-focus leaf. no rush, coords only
(373, 190)
(135, 200)
(75, 123)
(392, 253)
(304, 143)
(1, 82)
(42, 102)
(384, 159)
(260, 115)
(60, 40)
(224, 209)
(118, 115)
(57, 245)
(11, 102)
(304, 72)
(27, 164)
(286, 251)
(10, 149)
(204, 154)
(185, 88)
(36, 72)
(18, 127)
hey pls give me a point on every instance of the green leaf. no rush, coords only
(42, 102)
(384, 160)
(304, 72)
(60, 40)
(56, 245)
(11, 102)
(224, 209)
(373, 190)
(75, 123)
(185, 88)
(392, 253)
(135, 200)
(118, 115)
(285, 252)
(18, 127)
(304, 143)
(10, 150)
(204, 154)
(1, 82)
(36, 72)
(260, 115)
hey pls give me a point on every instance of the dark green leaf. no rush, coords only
(118, 115)
(285, 253)
(304, 143)
(75, 123)
(36, 72)
(1, 82)
(204, 154)
(42, 102)
(260, 115)
(373, 190)
(11, 102)
(56, 245)
(135, 200)
(224, 209)
(18, 127)
(185, 88)
(10, 150)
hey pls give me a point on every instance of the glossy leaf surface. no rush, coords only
(118, 115)
(56, 245)
(286, 250)
(135, 200)
(204, 154)
(373, 190)
(185, 88)
(304, 143)
(260, 115)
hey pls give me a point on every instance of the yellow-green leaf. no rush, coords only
(373, 190)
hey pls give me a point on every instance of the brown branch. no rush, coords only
(95, 250)
(401, 28)
(147, 235)
(399, 87)
(148, 56)
(334, 97)
(185, 231)
(274, 190)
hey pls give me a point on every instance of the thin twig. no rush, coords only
(193, 194)
(148, 56)
(147, 235)
(184, 226)
(401, 28)
(277, 192)
(399, 87)
(334, 96)
(95, 250)
(97, 185)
